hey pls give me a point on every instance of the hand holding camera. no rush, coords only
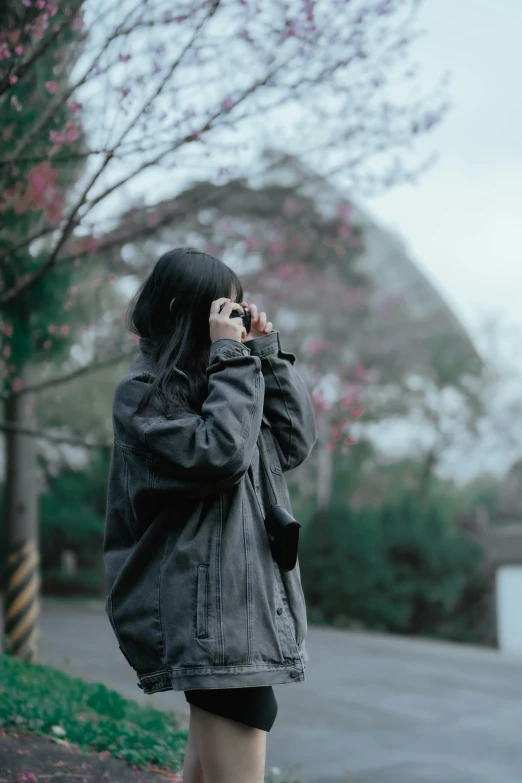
(258, 324)
(228, 320)
(235, 321)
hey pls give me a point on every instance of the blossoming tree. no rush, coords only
(99, 102)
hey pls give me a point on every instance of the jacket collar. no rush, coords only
(147, 348)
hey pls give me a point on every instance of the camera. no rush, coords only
(245, 316)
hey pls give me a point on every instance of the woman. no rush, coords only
(206, 421)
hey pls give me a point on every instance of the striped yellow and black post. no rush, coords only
(22, 600)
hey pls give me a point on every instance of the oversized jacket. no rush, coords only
(194, 596)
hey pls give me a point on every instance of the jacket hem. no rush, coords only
(205, 678)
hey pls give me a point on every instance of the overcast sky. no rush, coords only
(462, 222)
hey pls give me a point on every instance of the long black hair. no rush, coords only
(181, 335)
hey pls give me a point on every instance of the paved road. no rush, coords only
(373, 709)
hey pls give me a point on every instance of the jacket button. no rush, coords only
(279, 610)
(294, 674)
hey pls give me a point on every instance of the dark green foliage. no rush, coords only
(72, 511)
(39, 315)
(72, 516)
(401, 569)
(36, 698)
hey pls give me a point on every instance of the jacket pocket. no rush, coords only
(110, 613)
(202, 602)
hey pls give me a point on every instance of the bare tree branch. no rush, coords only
(31, 279)
(78, 373)
(35, 131)
(7, 426)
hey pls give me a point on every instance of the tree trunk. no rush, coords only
(426, 474)
(21, 600)
(325, 463)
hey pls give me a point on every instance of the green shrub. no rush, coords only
(401, 569)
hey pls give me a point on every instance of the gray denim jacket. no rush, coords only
(194, 596)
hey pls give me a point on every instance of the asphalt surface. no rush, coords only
(373, 709)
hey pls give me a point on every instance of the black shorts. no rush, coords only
(256, 706)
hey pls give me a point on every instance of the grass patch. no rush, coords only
(35, 698)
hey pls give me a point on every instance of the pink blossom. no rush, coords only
(42, 22)
(19, 50)
(316, 346)
(13, 78)
(56, 137)
(360, 372)
(77, 23)
(285, 272)
(277, 247)
(41, 178)
(72, 133)
(290, 206)
(40, 4)
(124, 58)
(344, 212)
(52, 10)
(51, 87)
(43, 193)
(89, 244)
(5, 52)
(357, 412)
(351, 396)
(227, 104)
(27, 3)
(75, 107)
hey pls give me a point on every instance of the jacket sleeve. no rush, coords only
(287, 403)
(200, 455)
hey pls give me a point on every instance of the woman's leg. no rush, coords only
(192, 769)
(229, 751)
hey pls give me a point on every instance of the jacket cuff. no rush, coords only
(226, 346)
(270, 344)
